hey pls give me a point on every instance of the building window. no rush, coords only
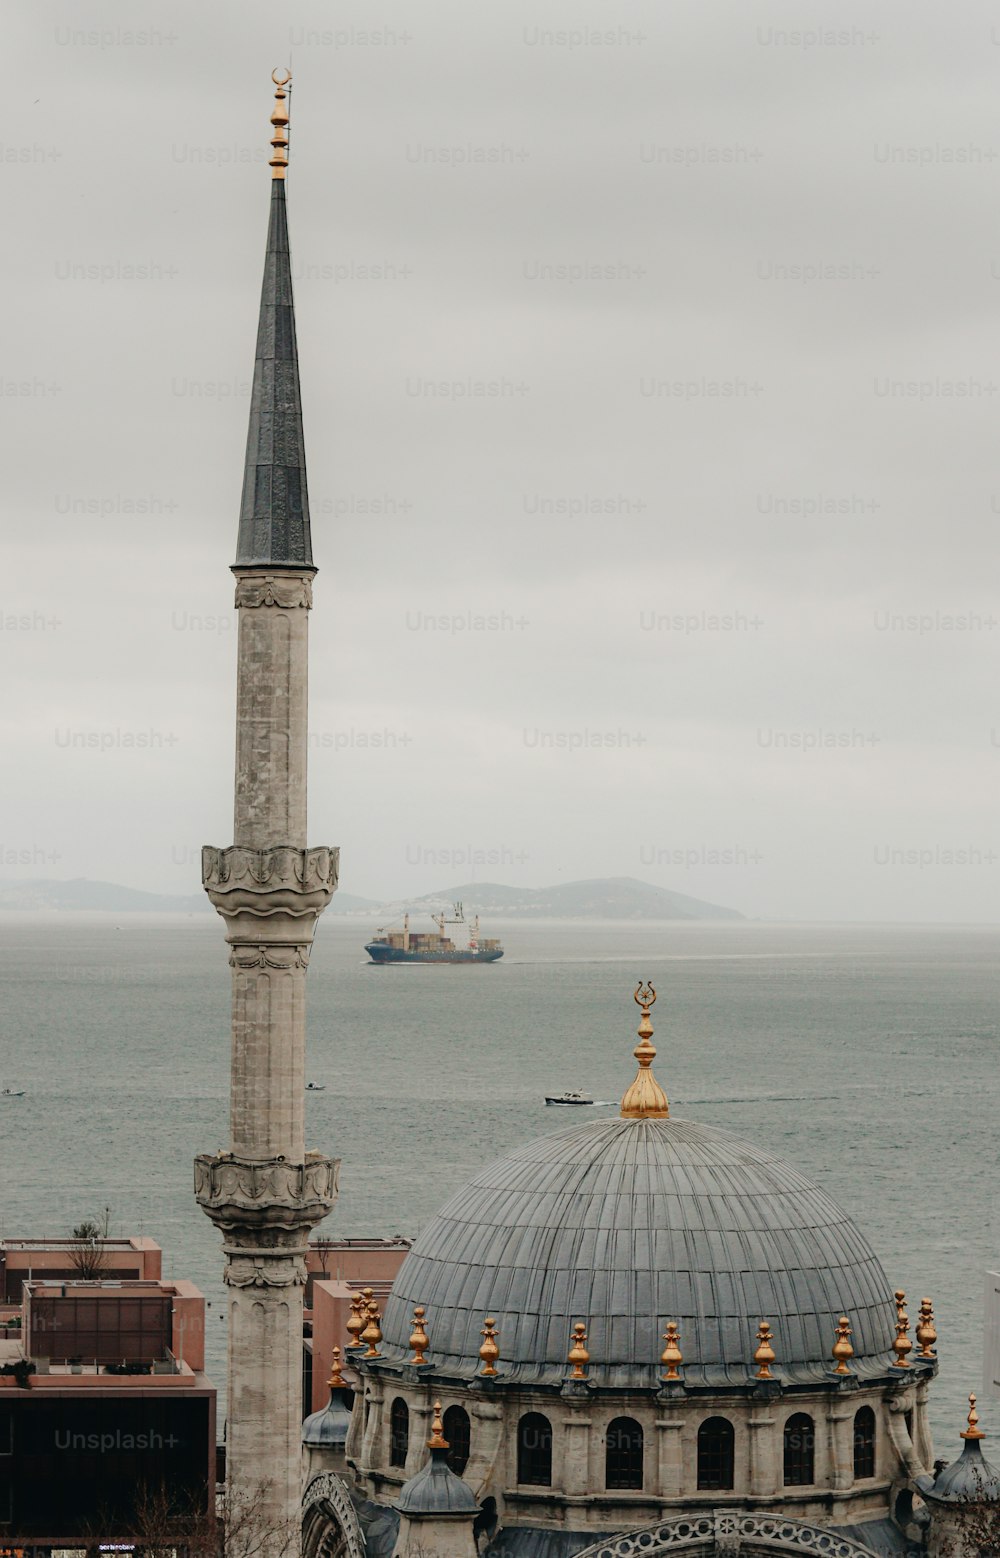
(459, 1436)
(864, 1443)
(623, 1454)
(399, 1432)
(800, 1451)
(716, 1453)
(534, 1450)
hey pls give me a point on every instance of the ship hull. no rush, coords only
(380, 954)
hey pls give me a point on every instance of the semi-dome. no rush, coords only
(625, 1224)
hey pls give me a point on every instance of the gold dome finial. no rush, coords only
(372, 1333)
(901, 1345)
(645, 1099)
(437, 1440)
(279, 118)
(973, 1431)
(418, 1340)
(336, 1380)
(843, 1351)
(355, 1323)
(671, 1356)
(578, 1355)
(765, 1355)
(489, 1351)
(926, 1333)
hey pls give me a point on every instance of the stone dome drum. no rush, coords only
(625, 1224)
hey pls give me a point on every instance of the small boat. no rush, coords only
(571, 1098)
(10, 1092)
(315, 1087)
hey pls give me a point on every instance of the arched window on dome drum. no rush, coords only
(534, 1450)
(458, 1433)
(864, 1443)
(716, 1453)
(800, 1451)
(623, 1454)
(399, 1432)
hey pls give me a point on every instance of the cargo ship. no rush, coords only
(409, 946)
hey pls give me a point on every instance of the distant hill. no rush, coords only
(603, 898)
(83, 894)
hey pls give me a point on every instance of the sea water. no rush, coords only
(864, 1056)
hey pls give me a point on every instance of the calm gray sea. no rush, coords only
(865, 1056)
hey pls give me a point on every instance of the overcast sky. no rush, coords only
(650, 376)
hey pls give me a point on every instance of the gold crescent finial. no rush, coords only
(645, 1099)
(279, 119)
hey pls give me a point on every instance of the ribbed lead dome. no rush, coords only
(625, 1224)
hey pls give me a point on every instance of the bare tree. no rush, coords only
(163, 1525)
(87, 1254)
(978, 1533)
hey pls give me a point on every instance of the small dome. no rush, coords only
(625, 1224)
(327, 1428)
(969, 1480)
(435, 1490)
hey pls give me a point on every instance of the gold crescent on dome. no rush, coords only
(274, 78)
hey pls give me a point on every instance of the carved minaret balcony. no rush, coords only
(265, 1191)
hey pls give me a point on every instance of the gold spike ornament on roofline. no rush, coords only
(279, 119)
(336, 1380)
(372, 1333)
(926, 1334)
(578, 1355)
(356, 1321)
(973, 1431)
(437, 1440)
(671, 1355)
(901, 1345)
(489, 1351)
(418, 1340)
(765, 1355)
(843, 1351)
(645, 1099)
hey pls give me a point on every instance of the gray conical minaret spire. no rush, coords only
(274, 513)
(264, 1190)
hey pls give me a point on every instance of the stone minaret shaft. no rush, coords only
(266, 1191)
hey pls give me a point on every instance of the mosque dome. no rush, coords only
(625, 1224)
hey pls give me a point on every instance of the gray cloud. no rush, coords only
(613, 341)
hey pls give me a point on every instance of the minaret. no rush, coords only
(266, 1192)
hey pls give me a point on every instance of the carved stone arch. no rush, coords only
(728, 1532)
(330, 1526)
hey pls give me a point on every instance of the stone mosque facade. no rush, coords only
(631, 1337)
